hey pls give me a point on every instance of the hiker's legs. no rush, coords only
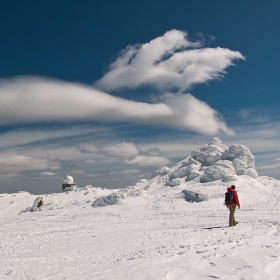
(232, 221)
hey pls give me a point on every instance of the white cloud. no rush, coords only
(126, 172)
(47, 174)
(26, 136)
(90, 161)
(175, 147)
(166, 63)
(79, 172)
(255, 115)
(192, 114)
(35, 100)
(270, 167)
(123, 149)
(87, 148)
(13, 163)
(143, 160)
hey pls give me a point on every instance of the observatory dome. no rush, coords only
(68, 180)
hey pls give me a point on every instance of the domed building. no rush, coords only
(68, 184)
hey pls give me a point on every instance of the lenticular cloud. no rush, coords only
(166, 63)
(35, 100)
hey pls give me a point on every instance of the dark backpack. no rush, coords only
(229, 198)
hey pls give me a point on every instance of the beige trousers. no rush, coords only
(232, 221)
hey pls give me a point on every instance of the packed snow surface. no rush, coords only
(173, 226)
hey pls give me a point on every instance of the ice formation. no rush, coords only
(211, 162)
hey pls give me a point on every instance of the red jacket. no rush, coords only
(235, 196)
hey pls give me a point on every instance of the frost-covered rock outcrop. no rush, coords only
(211, 162)
(241, 158)
(131, 191)
(116, 197)
(194, 197)
(222, 169)
(162, 171)
(110, 199)
(268, 181)
(211, 153)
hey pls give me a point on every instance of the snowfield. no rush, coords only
(152, 230)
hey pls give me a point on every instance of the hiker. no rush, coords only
(231, 201)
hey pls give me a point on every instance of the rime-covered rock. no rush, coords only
(190, 160)
(241, 158)
(251, 172)
(189, 168)
(174, 182)
(110, 199)
(184, 171)
(211, 162)
(210, 153)
(268, 181)
(226, 164)
(131, 191)
(192, 175)
(162, 171)
(191, 196)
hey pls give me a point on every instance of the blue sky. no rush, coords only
(109, 91)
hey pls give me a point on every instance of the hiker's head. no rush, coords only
(233, 187)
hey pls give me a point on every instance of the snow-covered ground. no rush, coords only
(149, 230)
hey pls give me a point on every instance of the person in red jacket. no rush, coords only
(232, 206)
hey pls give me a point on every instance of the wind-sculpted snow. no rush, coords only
(251, 172)
(222, 169)
(211, 162)
(110, 199)
(189, 169)
(268, 181)
(241, 158)
(191, 196)
(210, 153)
(116, 197)
(131, 192)
(174, 182)
(162, 171)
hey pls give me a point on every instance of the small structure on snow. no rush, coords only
(68, 184)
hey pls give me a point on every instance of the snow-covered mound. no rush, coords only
(268, 181)
(154, 229)
(211, 162)
(110, 199)
(116, 197)
(191, 196)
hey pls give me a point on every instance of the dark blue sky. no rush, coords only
(76, 41)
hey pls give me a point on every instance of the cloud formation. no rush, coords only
(26, 100)
(144, 160)
(167, 63)
(35, 100)
(13, 163)
(129, 152)
(123, 149)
